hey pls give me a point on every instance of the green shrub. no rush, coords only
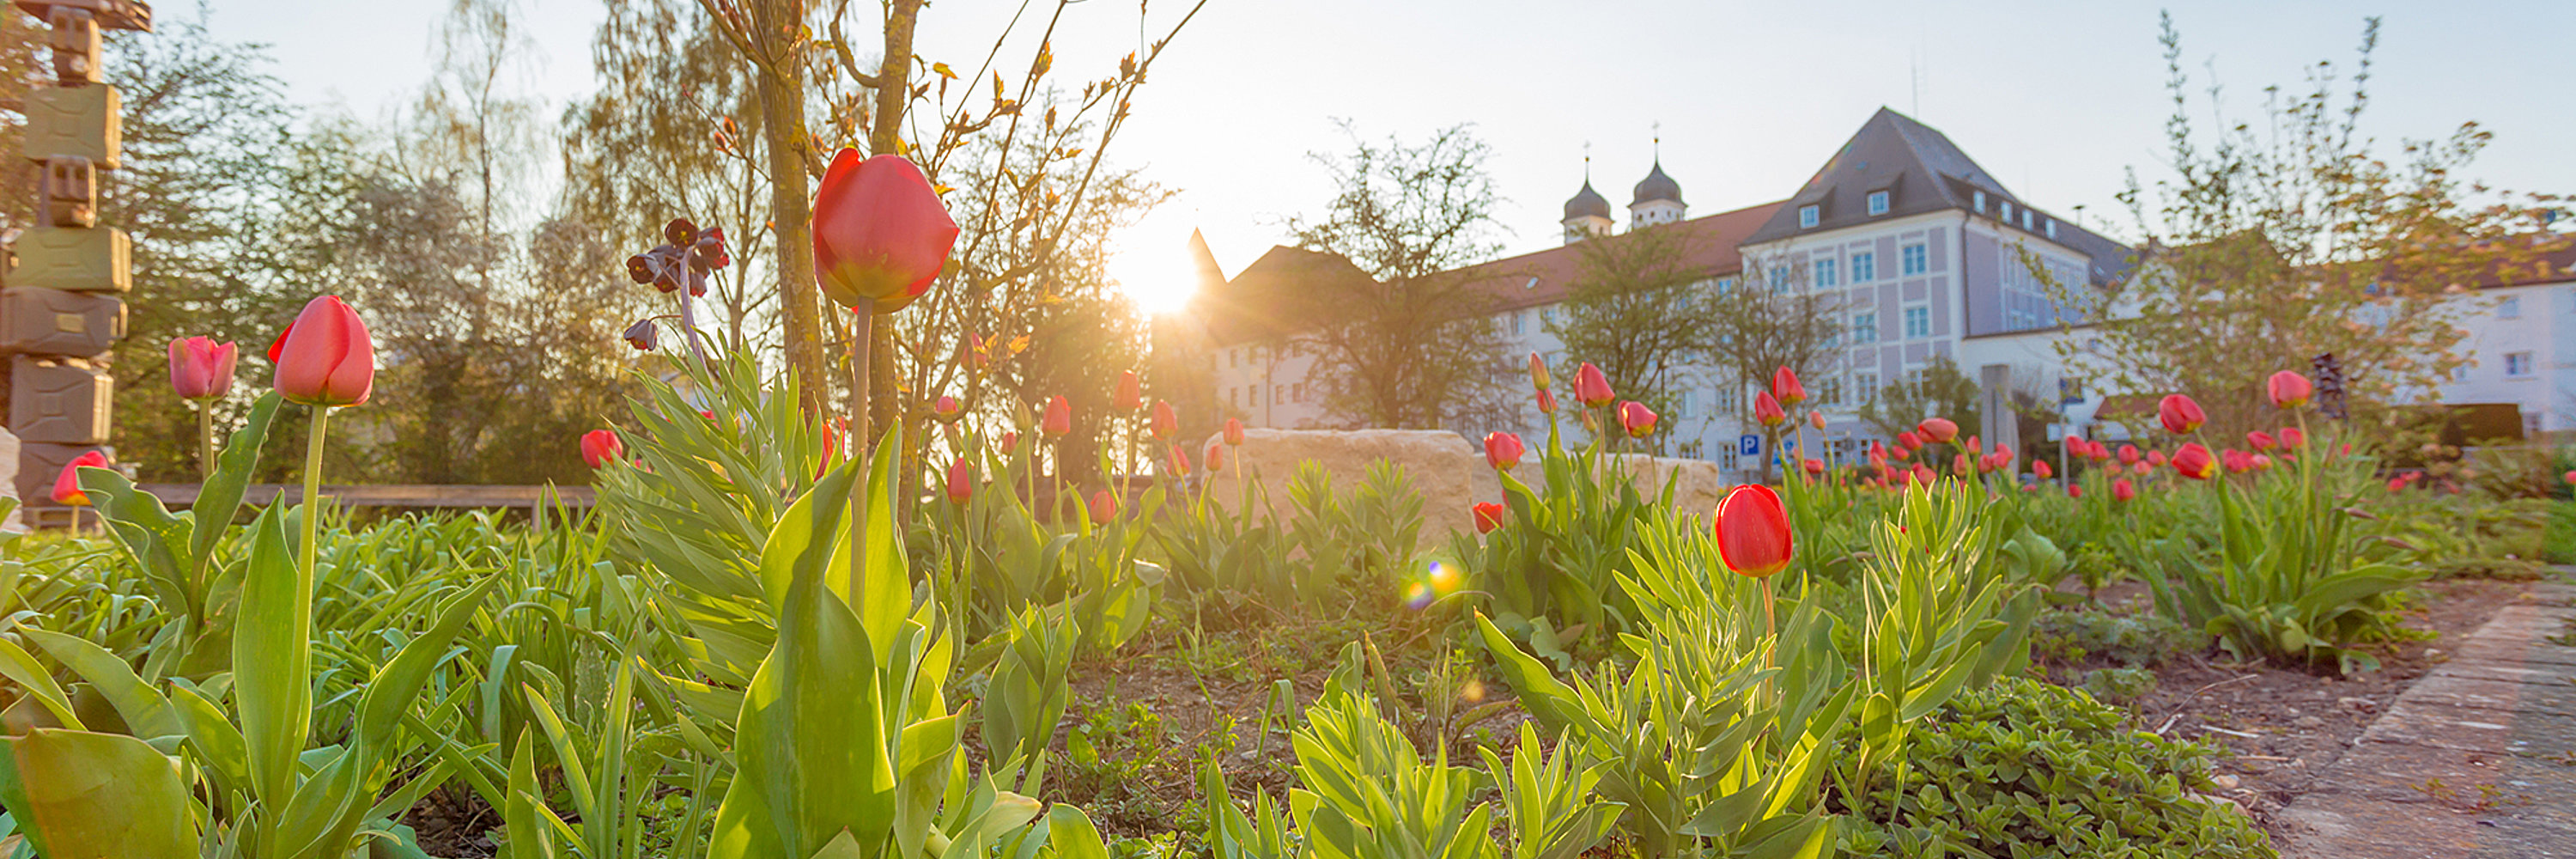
(2131, 640)
(2029, 770)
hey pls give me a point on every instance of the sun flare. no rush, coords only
(1150, 262)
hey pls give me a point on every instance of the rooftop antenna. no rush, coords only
(1658, 128)
(1914, 68)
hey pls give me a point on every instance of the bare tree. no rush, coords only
(1642, 311)
(1770, 319)
(1413, 345)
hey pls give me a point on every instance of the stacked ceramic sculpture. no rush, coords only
(59, 304)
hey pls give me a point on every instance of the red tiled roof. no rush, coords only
(1545, 277)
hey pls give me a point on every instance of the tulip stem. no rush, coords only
(312, 499)
(206, 440)
(864, 317)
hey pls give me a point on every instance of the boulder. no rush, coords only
(9, 479)
(1449, 473)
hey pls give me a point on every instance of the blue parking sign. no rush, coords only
(1748, 444)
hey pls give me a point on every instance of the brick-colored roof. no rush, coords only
(1545, 277)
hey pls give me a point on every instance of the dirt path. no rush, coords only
(2476, 760)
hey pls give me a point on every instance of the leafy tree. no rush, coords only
(1639, 309)
(1413, 346)
(1941, 391)
(2293, 235)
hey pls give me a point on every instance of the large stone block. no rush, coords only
(9, 479)
(38, 321)
(58, 400)
(1449, 473)
(38, 464)
(84, 121)
(70, 192)
(75, 42)
(79, 260)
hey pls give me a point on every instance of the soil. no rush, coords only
(2281, 728)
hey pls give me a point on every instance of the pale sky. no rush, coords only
(2053, 98)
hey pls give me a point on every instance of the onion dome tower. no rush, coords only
(1587, 213)
(1657, 198)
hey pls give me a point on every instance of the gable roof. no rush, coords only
(1546, 277)
(1260, 302)
(1921, 171)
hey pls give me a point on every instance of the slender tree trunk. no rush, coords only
(782, 129)
(885, 136)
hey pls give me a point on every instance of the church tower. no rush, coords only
(1657, 198)
(1587, 213)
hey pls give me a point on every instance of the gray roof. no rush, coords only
(1587, 203)
(1657, 186)
(1921, 171)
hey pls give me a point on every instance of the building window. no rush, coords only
(2517, 365)
(1914, 259)
(1806, 216)
(2052, 228)
(1829, 272)
(1829, 392)
(1728, 400)
(1779, 278)
(1234, 397)
(1277, 393)
(1690, 404)
(1918, 322)
(1979, 202)
(1516, 321)
(1864, 327)
(1866, 386)
(1878, 202)
(2025, 219)
(1864, 267)
(1231, 356)
(1725, 285)
(2509, 308)
(2006, 208)
(1726, 460)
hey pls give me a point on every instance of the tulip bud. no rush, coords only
(1816, 419)
(1591, 387)
(2040, 467)
(2128, 454)
(1180, 461)
(1058, 422)
(1167, 423)
(1909, 441)
(67, 488)
(1546, 402)
(1233, 431)
(2260, 440)
(1785, 387)
(1130, 395)
(1975, 446)
(961, 482)
(1767, 410)
(1104, 506)
(1636, 419)
(600, 447)
(324, 357)
(2123, 490)
(1752, 529)
(1923, 473)
(200, 369)
(1214, 456)
(2143, 468)
(1503, 450)
(1010, 440)
(947, 409)
(1489, 516)
(1813, 467)
(2195, 462)
(2289, 389)
(2293, 438)
(642, 335)
(2262, 462)
(1937, 430)
(2074, 491)
(1538, 371)
(2156, 458)
(880, 233)
(2180, 414)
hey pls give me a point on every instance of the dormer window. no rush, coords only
(1878, 202)
(2052, 228)
(2005, 207)
(1978, 202)
(2025, 219)
(1807, 216)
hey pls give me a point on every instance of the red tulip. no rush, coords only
(961, 481)
(2003, 452)
(1959, 463)
(2123, 490)
(1546, 402)
(1214, 456)
(2235, 461)
(2260, 440)
(1130, 396)
(947, 409)
(2293, 438)
(1010, 439)
(2074, 491)
(2143, 469)
(324, 357)
(2194, 461)
(1937, 430)
(1923, 473)
(2128, 454)
(1816, 419)
(1167, 423)
(2180, 414)
(1636, 419)
(2396, 484)
(600, 447)
(2289, 389)
(1753, 531)
(1813, 467)
(2040, 467)
(1538, 372)
(1180, 462)
(1104, 506)
(2156, 458)
(1489, 516)
(1058, 422)
(1767, 410)
(880, 233)
(67, 489)
(1909, 441)
(1233, 431)
(1785, 387)
(200, 369)
(1503, 450)
(1975, 446)
(2571, 478)
(2262, 462)
(1591, 388)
